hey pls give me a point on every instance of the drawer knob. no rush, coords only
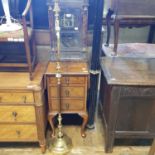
(24, 99)
(67, 80)
(67, 106)
(14, 114)
(67, 93)
(18, 133)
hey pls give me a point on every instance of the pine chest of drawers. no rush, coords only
(22, 108)
(74, 83)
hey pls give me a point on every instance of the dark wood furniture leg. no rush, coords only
(108, 23)
(152, 149)
(85, 119)
(116, 34)
(50, 119)
(109, 142)
(112, 98)
(109, 136)
(151, 34)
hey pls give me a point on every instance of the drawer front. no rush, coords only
(68, 104)
(17, 114)
(68, 80)
(18, 132)
(67, 92)
(11, 97)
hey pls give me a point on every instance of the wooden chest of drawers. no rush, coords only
(73, 90)
(22, 108)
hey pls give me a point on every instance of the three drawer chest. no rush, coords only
(74, 83)
(22, 107)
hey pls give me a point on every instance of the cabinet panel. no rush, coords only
(134, 114)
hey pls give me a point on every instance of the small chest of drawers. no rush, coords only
(22, 108)
(73, 91)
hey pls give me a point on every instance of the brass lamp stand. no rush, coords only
(61, 143)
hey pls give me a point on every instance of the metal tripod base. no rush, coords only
(61, 145)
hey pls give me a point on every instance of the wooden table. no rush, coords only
(127, 96)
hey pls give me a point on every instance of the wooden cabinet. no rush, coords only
(22, 108)
(127, 98)
(74, 83)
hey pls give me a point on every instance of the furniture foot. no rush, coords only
(109, 143)
(43, 148)
(85, 119)
(50, 119)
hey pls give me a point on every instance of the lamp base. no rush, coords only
(10, 27)
(61, 145)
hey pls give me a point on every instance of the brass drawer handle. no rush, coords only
(24, 99)
(14, 114)
(67, 80)
(18, 133)
(67, 93)
(67, 106)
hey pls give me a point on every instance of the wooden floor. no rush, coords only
(93, 144)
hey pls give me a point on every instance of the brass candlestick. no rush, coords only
(61, 144)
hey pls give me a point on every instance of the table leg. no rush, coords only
(116, 34)
(85, 119)
(50, 119)
(108, 23)
(43, 148)
(109, 143)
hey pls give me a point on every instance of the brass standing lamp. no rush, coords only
(61, 143)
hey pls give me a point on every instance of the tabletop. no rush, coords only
(68, 67)
(21, 80)
(129, 71)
